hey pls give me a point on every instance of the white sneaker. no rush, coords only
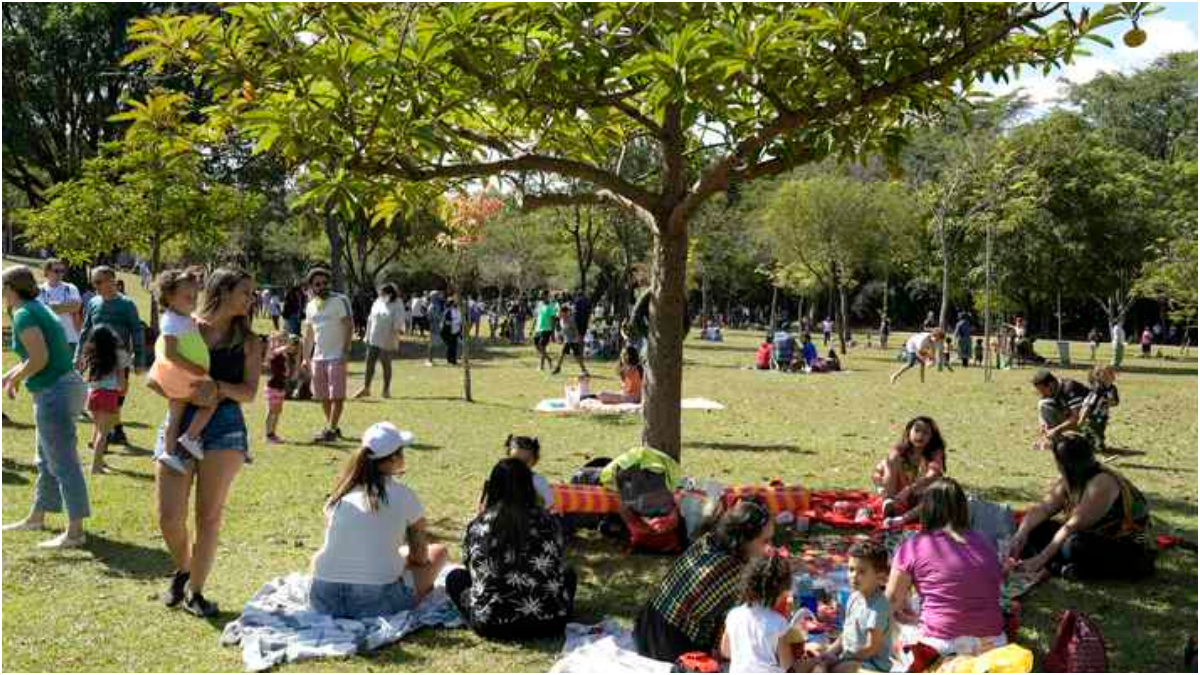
(173, 463)
(193, 445)
(63, 541)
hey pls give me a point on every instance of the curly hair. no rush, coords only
(170, 281)
(764, 580)
(873, 552)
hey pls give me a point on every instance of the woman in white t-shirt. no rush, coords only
(919, 350)
(375, 560)
(383, 338)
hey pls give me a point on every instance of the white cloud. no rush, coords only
(1163, 36)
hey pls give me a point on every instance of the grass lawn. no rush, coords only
(83, 610)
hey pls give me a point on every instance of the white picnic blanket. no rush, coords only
(592, 406)
(605, 647)
(278, 626)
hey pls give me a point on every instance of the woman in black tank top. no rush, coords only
(235, 354)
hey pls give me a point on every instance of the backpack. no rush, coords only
(1078, 646)
(649, 511)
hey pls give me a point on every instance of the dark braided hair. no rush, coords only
(764, 580)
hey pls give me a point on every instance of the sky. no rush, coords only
(1172, 30)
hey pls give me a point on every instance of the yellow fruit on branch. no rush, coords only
(1135, 38)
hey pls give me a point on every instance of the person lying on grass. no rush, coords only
(912, 464)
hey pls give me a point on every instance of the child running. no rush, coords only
(758, 639)
(865, 642)
(630, 371)
(915, 461)
(106, 381)
(919, 349)
(180, 360)
(279, 348)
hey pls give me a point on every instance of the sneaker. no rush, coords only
(175, 593)
(173, 463)
(274, 440)
(117, 437)
(326, 436)
(63, 541)
(556, 371)
(24, 526)
(362, 393)
(197, 604)
(336, 434)
(193, 445)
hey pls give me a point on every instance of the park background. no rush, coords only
(1090, 200)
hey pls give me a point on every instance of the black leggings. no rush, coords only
(1093, 556)
(458, 582)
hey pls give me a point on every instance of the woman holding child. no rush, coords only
(516, 584)
(235, 362)
(689, 608)
(957, 573)
(375, 560)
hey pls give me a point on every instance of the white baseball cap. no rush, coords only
(384, 439)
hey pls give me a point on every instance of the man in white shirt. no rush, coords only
(919, 350)
(62, 298)
(1118, 344)
(328, 332)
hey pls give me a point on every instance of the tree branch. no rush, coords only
(598, 198)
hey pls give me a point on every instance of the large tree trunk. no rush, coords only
(843, 326)
(664, 374)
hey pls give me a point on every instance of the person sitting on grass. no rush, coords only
(762, 357)
(375, 560)
(630, 371)
(757, 639)
(865, 642)
(1059, 405)
(686, 612)
(1105, 518)
(808, 350)
(516, 585)
(919, 349)
(957, 573)
(528, 450)
(913, 463)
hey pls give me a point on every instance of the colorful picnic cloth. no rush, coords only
(778, 497)
(278, 626)
(585, 499)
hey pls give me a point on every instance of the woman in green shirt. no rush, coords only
(47, 369)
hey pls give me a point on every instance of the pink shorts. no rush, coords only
(174, 381)
(329, 380)
(275, 397)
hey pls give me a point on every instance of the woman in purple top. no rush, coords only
(956, 572)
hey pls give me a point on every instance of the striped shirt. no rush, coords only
(699, 591)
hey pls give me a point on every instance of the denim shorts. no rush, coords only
(360, 601)
(225, 431)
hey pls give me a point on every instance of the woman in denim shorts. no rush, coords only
(362, 570)
(236, 356)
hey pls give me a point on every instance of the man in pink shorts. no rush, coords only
(328, 331)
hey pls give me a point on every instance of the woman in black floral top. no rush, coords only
(516, 584)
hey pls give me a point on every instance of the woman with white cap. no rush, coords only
(375, 560)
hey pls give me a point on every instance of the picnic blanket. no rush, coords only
(278, 626)
(598, 500)
(605, 647)
(591, 406)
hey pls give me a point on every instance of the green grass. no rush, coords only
(91, 609)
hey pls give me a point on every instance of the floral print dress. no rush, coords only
(513, 587)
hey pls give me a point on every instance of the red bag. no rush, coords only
(1078, 646)
(663, 534)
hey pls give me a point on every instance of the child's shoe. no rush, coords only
(173, 463)
(193, 445)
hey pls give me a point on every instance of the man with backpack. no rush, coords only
(328, 332)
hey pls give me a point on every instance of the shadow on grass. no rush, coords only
(12, 478)
(1122, 452)
(136, 475)
(1133, 368)
(10, 423)
(749, 447)
(124, 559)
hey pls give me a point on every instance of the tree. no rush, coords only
(147, 193)
(62, 82)
(457, 92)
(832, 226)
